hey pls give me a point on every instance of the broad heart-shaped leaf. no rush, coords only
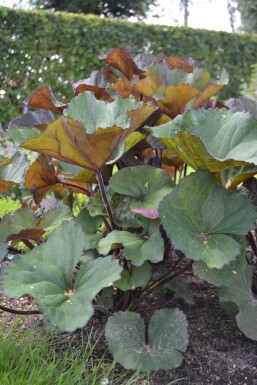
(214, 140)
(94, 113)
(69, 140)
(176, 97)
(13, 171)
(46, 274)
(240, 292)
(167, 338)
(201, 218)
(137, 249)
(148, 185)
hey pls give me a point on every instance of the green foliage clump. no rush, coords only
(109, 8)
(8, 205)
(124, 141)
(248, 13)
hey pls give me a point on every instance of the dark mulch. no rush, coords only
(218, 353)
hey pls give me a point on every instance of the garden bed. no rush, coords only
(218, 353)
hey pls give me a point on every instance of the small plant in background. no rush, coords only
(124, 141)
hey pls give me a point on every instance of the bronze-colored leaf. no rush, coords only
(100, 93)
(28, 234)
(88, 145)
(206, 94)
(176, 98)
(44, 98)
(151, 85)
(125, 89)
(177, 62)
(121, 59)
(42, 177)
(5, 185)
(71, 143)
(5, 161)
(141, 116)
(109, 75)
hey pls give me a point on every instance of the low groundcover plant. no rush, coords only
(124, 141)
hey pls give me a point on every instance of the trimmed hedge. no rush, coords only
(38, 47)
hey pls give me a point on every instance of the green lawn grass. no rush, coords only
(29, 358)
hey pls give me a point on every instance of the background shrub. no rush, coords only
(38, 47)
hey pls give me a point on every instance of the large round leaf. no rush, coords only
(92, 132)
(214, 140)
(167, 338)
(201, 218)
(148, 185)
(46, 274)
(95, 113)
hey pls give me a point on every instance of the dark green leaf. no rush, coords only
(46, 274)
(137, 249)
(202, 223)
(240, 293)
(167, 338)
(146, 184)
(138, 277)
